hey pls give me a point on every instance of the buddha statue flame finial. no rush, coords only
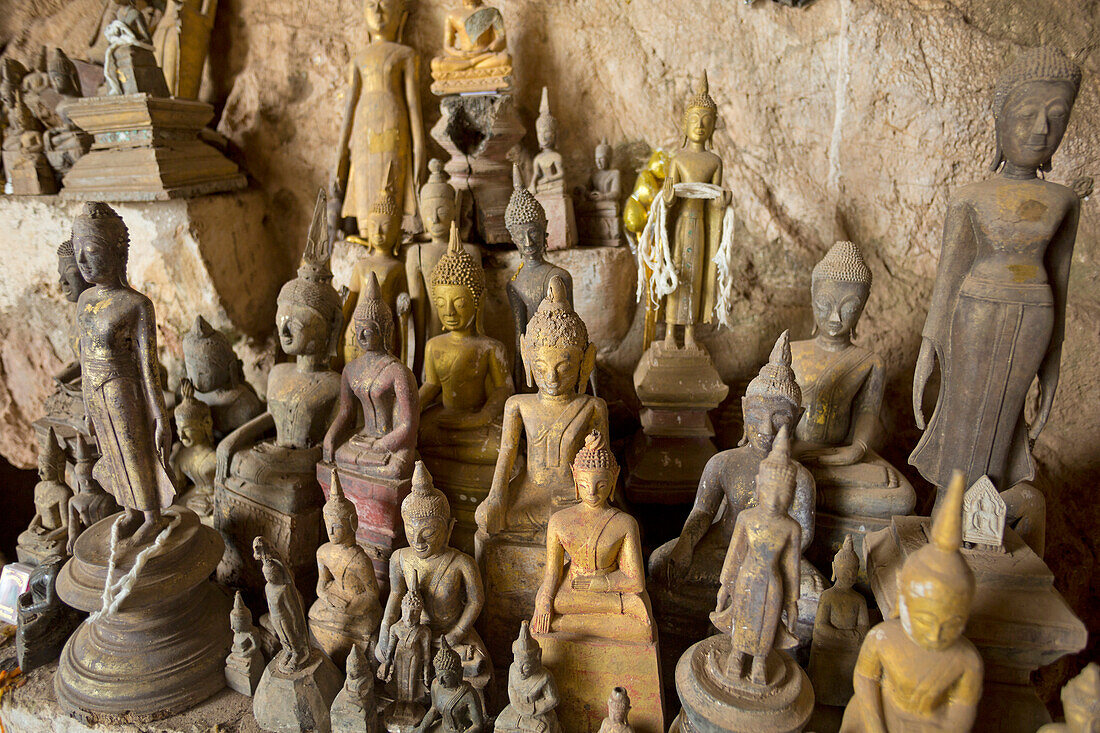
(776, 378)
(385, 204)
(373, 309)
(338, 505)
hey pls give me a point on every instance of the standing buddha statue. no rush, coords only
(475, 54)
(406, 664)
(47, 533)
(215, 371)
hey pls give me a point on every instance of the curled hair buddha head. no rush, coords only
(458, 267)
(555, 323)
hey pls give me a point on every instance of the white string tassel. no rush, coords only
(723, 258)
(115, 593)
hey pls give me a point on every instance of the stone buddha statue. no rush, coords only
(245, 663)
(407, 663)
(526, 222)
(63, 142)
(839, 628)
(917, 672)
(355, 709)
(91, 503)
(475, 54)
(618, 710)
(267, 467)
(600, 592)
(597, 203)
(1080, 703)
(457, 707)
(448, 581)
(548, 171)
(194, 458)
(48, 531)
(381, 237)
(438, 210)
(532, 694)
(215, 371)
(347, 612)
(841, 426)
(382, 134)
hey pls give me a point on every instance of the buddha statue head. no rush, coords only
(309, 316)
(776, 476)
(341, 519)
(618, 706)
(546, 126)
(412, 603)
(194, 423)
(700, 114)
(595, 471)
(85, 463)
(385, 19)
(62, 73)
(526, 651)
(240, 618)
(359, 674)
(51, 459)
(935, 585)
(209, 359)
(557, 356)
(68, 274)
(448, 665)
(426, 515)
(437, 202)
(1081, 701)
(603, 155)
(845, 564)
(458, 284)
(773, 398)
(372, 319)
(101, 244)
(839, 288)
(274, 568)
(383, 226)
(1031, 107)
(525, 219)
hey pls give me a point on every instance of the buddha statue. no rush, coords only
(448, 581)
(43, 622)
(456, 706)
(475, 54)
(355, 709)
(842, 387)
(526, 222)
(1080, 703)
(91, 503)
(647, 186)
(618, 710)
(840, 626)
(916, 671)
(597, 203)
(215, 371)
(347, 612)
(438, 210)
(245, 663)
(532, 694)
(194, 457)
(181, 42)
(406, 665)
(26, 167)
(47, 533)
(548, 181)
(382, 135)
(63, 142)
(1002, 280)
(381, 238)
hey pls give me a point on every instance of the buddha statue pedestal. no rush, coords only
(378, 505)
(163, 649)
(285, 699)
(478, 132)
(146, 149)
(1018, 621)
(513, 566)
(677, 387)
(561, 225)
(712, 703)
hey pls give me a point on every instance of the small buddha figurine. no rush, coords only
(558, 358)
(602, 592)
(43, 622)
(47, 533)
(598, 202)
(760, 575)
(1002, 280)
(1080, 703)
(548, 173)
(466, 374)
(532, 694)
(526, 222)
(91, 503)
(438, 210)
(917, 672)
(346, 612)
(842, 387)
(194, 457)
(245, 663)
(215, 371)
(646, 188)
(449, 581)
(64, 143)
(381, 237)
(839, 629)
(456, 705)
(618, 710)
(407, 662)
(287, 612)
(475, 54)
(355, 709)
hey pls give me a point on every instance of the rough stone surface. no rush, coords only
(840, 120)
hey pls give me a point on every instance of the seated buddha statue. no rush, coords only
(842, 387)
(194, 457)
(47, 533)
(267, 467)
(532, 694)
(475, 54)
(214, 369)
(43, 622)
(600, 591)
(597, 203)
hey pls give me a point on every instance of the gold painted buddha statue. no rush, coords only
(194, 458)
(1080, 703)
(475, 54)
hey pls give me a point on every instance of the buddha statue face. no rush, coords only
(99, 259)
(530, 240)
(932, 613)
(69, 277)
(594, 486)
(370, 336)
(546, 133)
(699, 124)
(302, 330)
(48, 466)
(410, 614)
(437, 214)
(194, 432)
(763, 417)
(340, 531)
(206, 372)
(837, 306)
(456, 306)
(1033, 121)
(529, 664)
(384, 17)
(603, 158)
(428, 536)
(556, 369)
(382, 231)
(448, 677)
(844, 572)
(775, 495)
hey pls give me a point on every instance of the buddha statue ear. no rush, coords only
(588, 365)
(744, 428)
(450, 530)
(525, 356)
(895, 612)
(614, 485)
(998, 153)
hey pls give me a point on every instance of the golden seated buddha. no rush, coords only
(475, 54)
